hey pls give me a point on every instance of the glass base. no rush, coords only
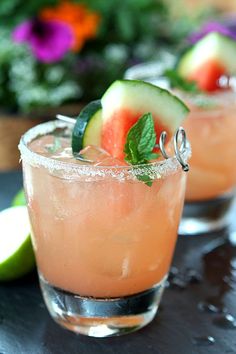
(97, 317)
(206, 216)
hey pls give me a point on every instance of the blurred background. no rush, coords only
(56, 55)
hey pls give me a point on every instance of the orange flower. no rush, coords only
(83, 22)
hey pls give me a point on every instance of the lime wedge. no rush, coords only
(16, 253)
(19, 198)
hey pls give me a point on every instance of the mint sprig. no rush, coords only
(140, 142)
(55, 146)
(177, 81)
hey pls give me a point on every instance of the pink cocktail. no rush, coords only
(103, 239)
(211, 129)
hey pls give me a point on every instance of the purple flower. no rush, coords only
(222, 28)
(48, 40)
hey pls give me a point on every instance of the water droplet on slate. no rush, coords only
(193, 276)
(217, 301)
(177, 283)
(167, 284)
(173, 272)
(204, 340)
(207, 307)
(227, 279)
(225, 321)
(176, 279)
(233, 263)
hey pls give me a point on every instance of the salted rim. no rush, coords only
(154, 170)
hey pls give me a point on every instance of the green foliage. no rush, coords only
(130, 31)
(129, 20)
(14, 11)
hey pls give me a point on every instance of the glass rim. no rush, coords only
(154, 169)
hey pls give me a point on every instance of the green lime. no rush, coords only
(19, 198)
(16, 253)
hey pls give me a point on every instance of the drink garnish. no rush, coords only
(52, 148)
(176, 81)
(16, 253)
(140, 142)
(205, 62)
(125, 101)
(87, 129)
(106, 123)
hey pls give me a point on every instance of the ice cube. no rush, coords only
(64, 154)
(94, 154)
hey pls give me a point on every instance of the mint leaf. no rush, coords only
(177, 81)
(55, 146)
(140, 142)
(145, 179)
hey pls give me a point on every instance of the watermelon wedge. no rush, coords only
(207, 75)
(209, 59)
(126, 101)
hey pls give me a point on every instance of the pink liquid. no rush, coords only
(102, 237)
(212, 134)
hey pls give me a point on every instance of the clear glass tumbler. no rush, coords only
(211, 130)
(103, 240)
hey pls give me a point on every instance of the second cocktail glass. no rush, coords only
(210, 127)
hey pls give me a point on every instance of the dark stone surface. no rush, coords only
(181, 326)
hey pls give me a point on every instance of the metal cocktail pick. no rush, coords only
(180, 142)
(66, 119)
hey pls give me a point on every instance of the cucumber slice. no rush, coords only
(213, 46)
(88, 126)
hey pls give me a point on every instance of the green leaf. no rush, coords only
(177, 81)
(56, 145)
(145, 179)
(140, 142)
(141, 138)
(151, 156)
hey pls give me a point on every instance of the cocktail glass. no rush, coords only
(211, 130)
(103, 239)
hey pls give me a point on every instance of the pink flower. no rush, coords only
(48, 40)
